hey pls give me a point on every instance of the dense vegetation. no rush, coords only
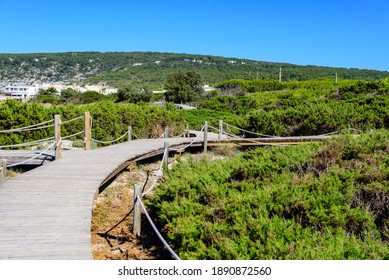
(328, 201)
(297, 108)
(70, 96)
(151, 68)
(263, 106)
(110, 120)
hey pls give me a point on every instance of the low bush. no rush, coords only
(316, 201)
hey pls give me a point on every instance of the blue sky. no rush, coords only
(342, 33)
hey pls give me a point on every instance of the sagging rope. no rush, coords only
(273, 136)
(33, 127)
(28, 143)
(340, 131)
(109, 142)
(72, 120)
(72, 135)
(191, 143)
(236, 137)
(34, 157)
(159, 170)
(158, 175)
(30, 127)
(136, 136)
(247, 131)
(174, 255)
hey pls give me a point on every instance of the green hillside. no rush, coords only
(313, 201)
(151, 68)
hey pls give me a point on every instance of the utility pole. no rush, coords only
(280, 78)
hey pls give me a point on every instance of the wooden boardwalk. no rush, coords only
(46, 213)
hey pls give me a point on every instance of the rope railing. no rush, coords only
(251, 132)
(37, 126)
(111, 141)
(158, 175)
(340, 131)
(236, 137)
(34, 157)
(182, 134)
(72, 135)
(191, 143)
(229, 132)
(261, 143)
(273, 136)
(136, 136)
(167, 246)
(72, 120)
(37, 142)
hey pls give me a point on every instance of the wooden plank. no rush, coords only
(46, 212)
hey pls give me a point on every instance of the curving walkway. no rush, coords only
(46, 213)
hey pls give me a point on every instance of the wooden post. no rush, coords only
(137, 210)
(87, 130)
(166, 151)
(205, 137)
(166, 132)
(187, 134)
(219, 137)
(129, 133)
(57, 136)
(3, 169)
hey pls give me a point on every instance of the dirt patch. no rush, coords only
(112, 237)
(112, 216)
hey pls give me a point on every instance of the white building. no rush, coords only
(18, 92)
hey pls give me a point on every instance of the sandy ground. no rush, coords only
(112, 218)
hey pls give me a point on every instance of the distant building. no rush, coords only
(18, 92)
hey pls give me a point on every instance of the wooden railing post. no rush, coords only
(137, 210)
(3, 169)
(166, 152)
(57, 136)
(129, 133)
(219, 137)
(205, 137)
(166, 132)
(87, 130)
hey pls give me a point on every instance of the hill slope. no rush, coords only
(152, 67)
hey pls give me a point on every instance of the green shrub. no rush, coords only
(313, 201)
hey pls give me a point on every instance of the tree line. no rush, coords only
(150, 68)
